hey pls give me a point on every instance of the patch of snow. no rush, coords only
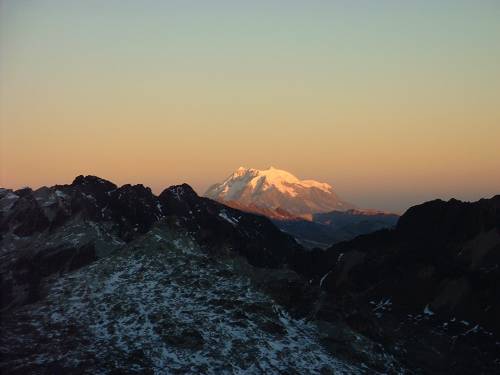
(117, 241)
(382, 306)
(7, 201)
(428, 311)
(318, 185)
(88, 196)
(474, 329)
(323, 279)
(60, 194)
(233, 221)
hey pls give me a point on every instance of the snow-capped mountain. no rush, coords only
(275, 189)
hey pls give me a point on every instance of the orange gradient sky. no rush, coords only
(392, 104)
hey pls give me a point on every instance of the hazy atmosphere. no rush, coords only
(391, 103)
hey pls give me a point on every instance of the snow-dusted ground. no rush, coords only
(161, 305)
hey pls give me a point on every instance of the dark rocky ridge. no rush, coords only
(442, 254)
(407, 289)
(30, 220)
(223, 228)
(91, 226)
(432, 284)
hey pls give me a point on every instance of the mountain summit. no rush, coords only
(277, 190)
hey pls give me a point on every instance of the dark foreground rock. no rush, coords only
(112, 279)
(162, 304)
(429, 289)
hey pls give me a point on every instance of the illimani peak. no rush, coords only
(274, 189)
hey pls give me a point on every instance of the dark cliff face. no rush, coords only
(430, 286)
(442, 257)
(438, 224)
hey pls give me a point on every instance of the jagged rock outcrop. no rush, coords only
(444, 255)
(64, 221)
(223, 228)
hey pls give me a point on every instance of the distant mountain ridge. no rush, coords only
(336, 226)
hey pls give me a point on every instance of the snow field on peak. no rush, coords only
(255, 179)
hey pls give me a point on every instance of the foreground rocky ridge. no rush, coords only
(163, 305)
(137, 282)
(115, 279)
(430, 286)
(442, 255)
(67, 226)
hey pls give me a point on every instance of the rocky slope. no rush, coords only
(162, 305)
(65, 227)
